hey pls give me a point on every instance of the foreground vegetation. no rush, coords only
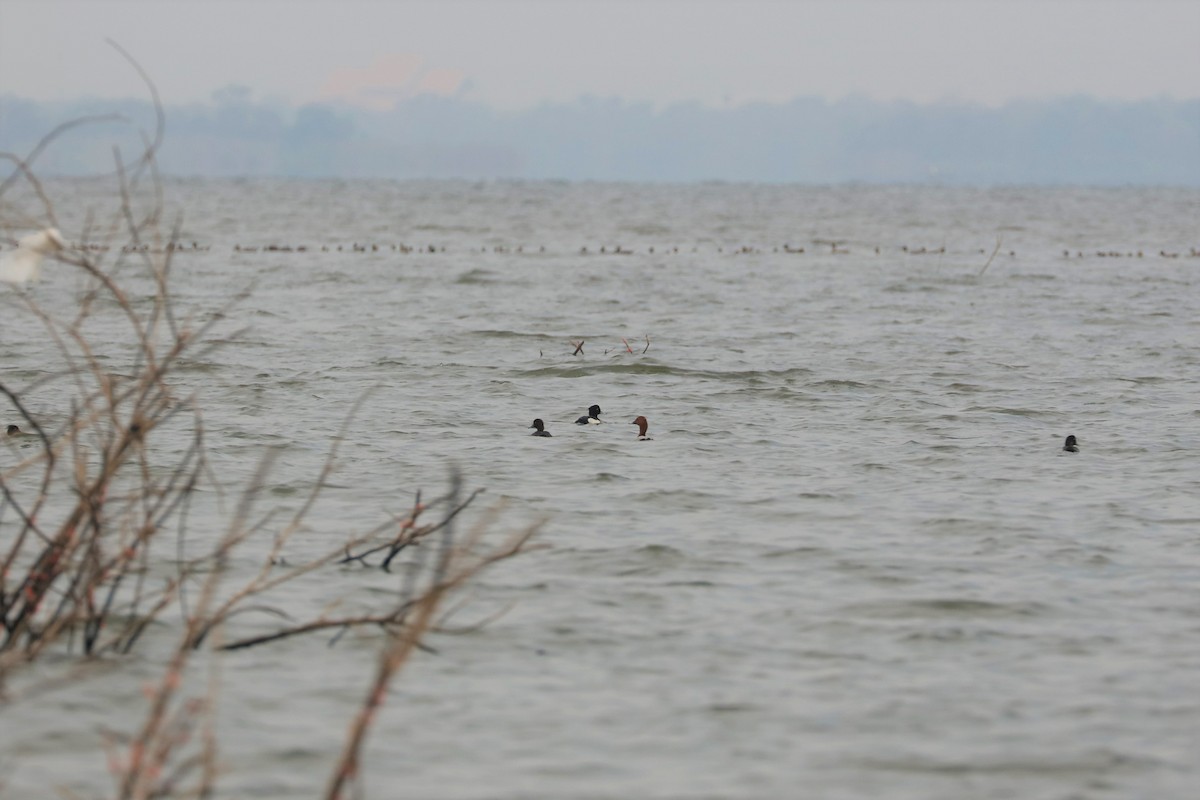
(95, 542)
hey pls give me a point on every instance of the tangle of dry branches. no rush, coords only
(94, 510)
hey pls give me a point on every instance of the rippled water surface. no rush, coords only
(853, 561)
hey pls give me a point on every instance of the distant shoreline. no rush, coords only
(1071, 141)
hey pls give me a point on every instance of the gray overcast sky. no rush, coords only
(516, 53)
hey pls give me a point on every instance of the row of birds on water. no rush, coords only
(40, 241)
(141, 247)
(835, 248)
(593, 418)
(1192, 253)
(603, 250)
(354, 247)
(23, 264)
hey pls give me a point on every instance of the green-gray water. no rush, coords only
(854, 560)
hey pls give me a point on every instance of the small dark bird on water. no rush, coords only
(1071, 446)
(541, 428)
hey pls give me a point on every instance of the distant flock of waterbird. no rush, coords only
(593, 418)
(48, 241)
(823, 246)
(1192, 253)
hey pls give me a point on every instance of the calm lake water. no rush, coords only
(854, 561)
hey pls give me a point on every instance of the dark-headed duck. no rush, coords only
(541, 428)
(643, 426)
(592, 418)
(1071, 446)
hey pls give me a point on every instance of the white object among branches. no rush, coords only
(25, 263)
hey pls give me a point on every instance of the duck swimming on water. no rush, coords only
(592, 417)
(1071, 446)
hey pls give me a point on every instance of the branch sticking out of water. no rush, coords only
(999, 241)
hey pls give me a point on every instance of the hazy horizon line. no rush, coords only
(248, 94)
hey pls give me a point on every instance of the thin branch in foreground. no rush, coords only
(457, 564)
(999, 240)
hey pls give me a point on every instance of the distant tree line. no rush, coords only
(1072, 140)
